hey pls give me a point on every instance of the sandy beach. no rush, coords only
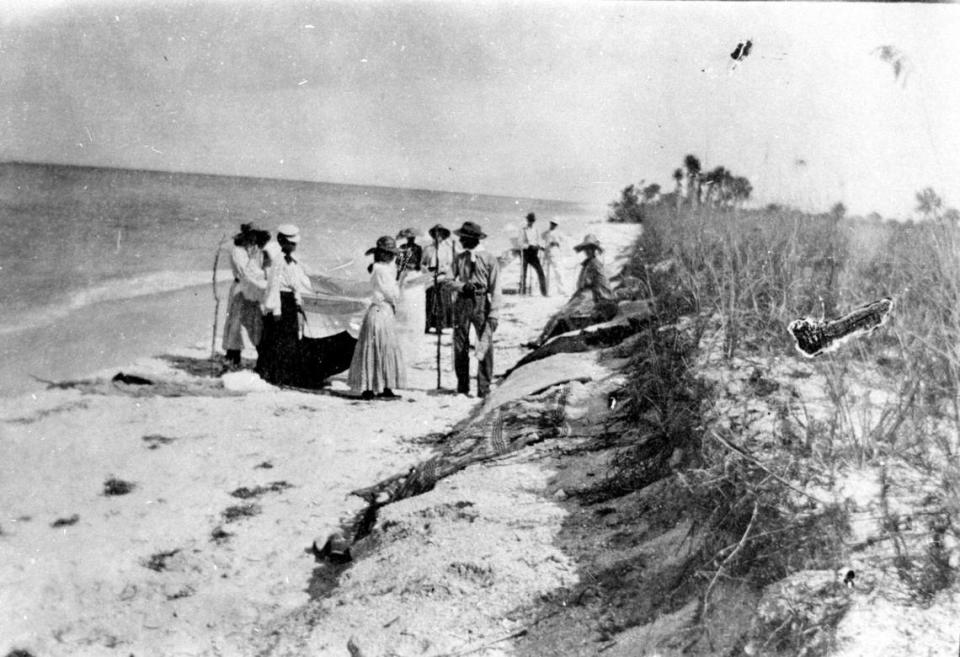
(217, 497)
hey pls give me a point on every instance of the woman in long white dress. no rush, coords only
(378, 367)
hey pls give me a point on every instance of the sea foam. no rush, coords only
(117, 289)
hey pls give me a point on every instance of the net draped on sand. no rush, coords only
(335, 305)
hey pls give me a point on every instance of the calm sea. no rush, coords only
(100, 266)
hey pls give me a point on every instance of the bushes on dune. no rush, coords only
(752, 271)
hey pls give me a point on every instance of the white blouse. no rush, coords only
(384, 281)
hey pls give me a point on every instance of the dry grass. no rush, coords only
(891, 398)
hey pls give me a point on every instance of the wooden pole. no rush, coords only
(438, 299)
(216, 308)
(546, 266)
(523, 272)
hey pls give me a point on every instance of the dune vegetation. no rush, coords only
(810, 480)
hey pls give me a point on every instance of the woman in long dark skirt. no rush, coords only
(278, 361)
(279, 353)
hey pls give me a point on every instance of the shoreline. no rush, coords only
(228, 493)
(91, 339)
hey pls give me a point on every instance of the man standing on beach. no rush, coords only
(530, 251)
(476, 279)
(279, 359)
(554, 241)
(411, 253)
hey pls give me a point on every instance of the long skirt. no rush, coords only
(439, 317)
(279, 352)
(377, 361)
(242, 315)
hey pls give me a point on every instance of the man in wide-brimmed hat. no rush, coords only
(476, 279)
(411, 253)
(530, 247)
(438, 261)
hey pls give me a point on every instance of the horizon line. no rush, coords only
(294, 180)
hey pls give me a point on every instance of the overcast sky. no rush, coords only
(556, 100)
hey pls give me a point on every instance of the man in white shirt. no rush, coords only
(278, 359)
(530, 251)
(554, 242)
(438, 257)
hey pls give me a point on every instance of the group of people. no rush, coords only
(265, 299)
(463, 290)
(550, 243)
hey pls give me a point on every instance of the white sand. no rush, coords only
(84, 588)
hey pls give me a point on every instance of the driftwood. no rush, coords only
(131, 385)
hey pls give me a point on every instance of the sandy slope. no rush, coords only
(151, 572)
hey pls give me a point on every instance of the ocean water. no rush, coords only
(100, 266)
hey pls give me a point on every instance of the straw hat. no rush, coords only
(470, 229)
(406, 233)
(289, 232)
(439, 232)
(588, 241)
(386, 244)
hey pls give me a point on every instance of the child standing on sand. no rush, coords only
(377, 366)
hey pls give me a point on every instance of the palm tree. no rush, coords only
(692, 165)
(718, 183)
(929, 203)
(740, 189)
(650, 192)
(678, 188)
(838, 211)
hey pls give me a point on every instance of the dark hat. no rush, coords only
(259, 236)
(247, 230)
(439, 229)
(588, 241)
(531, 216)
(553, 222)
(406, 233)
(385, 244)
(470, 229)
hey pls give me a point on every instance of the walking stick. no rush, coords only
(216, 307)
(523, 272)
(437, 299)
(546, 266)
